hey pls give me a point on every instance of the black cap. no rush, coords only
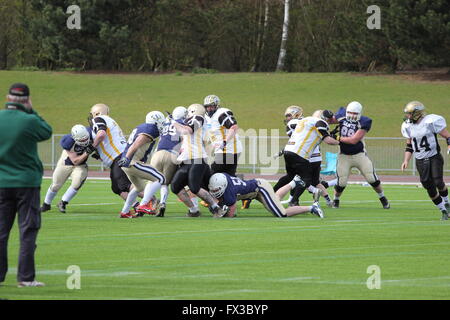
(19, 90)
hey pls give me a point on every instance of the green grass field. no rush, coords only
(257, 99)
(254, 256)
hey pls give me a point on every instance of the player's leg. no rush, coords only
(179, 181)
(343, 167)
(365, 166)
(60, 176)
(154, 179)
(120, 183)
(437, 173)
(165, 162)
(79, 176)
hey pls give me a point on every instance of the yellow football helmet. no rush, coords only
(293, 112)
(196, 109)
(414, 111)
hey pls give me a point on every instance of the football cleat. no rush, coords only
(335, 203)
(193, 214)
(45, 207)
(447, 206)
(219, 212)
(316, 210)
(127, 215)
(246, 204)
(34, 283)
(384, 201)
(299, 182)
(62, 206)
(204, 203)
(444, 215)
(162, 210)
(146, 209)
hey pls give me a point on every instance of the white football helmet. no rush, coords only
(157, 118)
(195, 109)
(99, 109)
(80, 135)
(353, 111)
(212, 103)
(217, 185)
(179, 113)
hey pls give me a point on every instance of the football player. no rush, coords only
(165, 158)
(353, 127)
(110, 143)
(421, 132)
(72, 163)
(293, 115)
(228, 190)
(133, 163)
(194, 171)
(308, 134)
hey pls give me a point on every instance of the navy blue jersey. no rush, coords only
(150, 130)
(68, 144)
(237, 187)
(349, 128)
(170, 137)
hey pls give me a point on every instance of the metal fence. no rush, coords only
(258, 154)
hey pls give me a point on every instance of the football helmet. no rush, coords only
(353, 111)
(318, 114)
(325, 115)
(414, 110)
(80, 135)
(217, 185)
(99, 109)
(293, 112)
(179, 113)
(195, 109)
(157, 118)
(212, 103)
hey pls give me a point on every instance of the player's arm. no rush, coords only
(139, 142)
(228, 121)
(232, 210)
(322, 127)
(354, 139)
(446, 135)
(183, 129)
(77, 159)
(99, 127)
(408, 154)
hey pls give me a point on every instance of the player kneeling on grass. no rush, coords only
(421, 132)
(133, 162)
(72, 163)
(228, 190)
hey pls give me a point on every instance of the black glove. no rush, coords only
(327, 114)
(124, 162)
(90, 149)
(96, 156)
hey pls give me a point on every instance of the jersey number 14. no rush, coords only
(423, 144)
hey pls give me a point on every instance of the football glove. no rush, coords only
(279, 154)
(95, 155)
(327, 114)
(124, 162)
(90, 149)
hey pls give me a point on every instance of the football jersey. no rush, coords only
(290, 127)
(192, 145)
(68, 144)
(113, 144)
(238, 189)
(142, 153)
(423, 135)
(170, 138)
(348, 129)
(218, 126)
(308, 134)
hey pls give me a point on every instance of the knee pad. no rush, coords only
(339, 189)
(55, 187)
(375, 184)
(440, 184)
(432, 192)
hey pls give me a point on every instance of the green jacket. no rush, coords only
(20, 166)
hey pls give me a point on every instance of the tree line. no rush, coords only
(225, 35)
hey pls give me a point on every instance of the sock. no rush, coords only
(332, 183)
(444, 195)
(50, 196)
(336, 197)
(312, 189)
(327, 198)
(290, 198)
(381, 194)
(164, 193)
(439, 203)
(195, 201)
(193, 209)
(69, 194)
(149, 191)
(132, 195)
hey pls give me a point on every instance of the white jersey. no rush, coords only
(316, 155)
(193, 145)
(218, 126)
(423, 135)
(113, 144)
(306, 137)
